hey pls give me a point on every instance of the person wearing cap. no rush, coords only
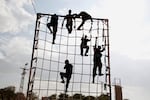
(67, 74)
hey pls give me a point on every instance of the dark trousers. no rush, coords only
(83, 21)
(49, 25)
(99, 65)
(69, 27)
(82, 47)
(62, 75)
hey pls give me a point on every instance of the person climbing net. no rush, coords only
(67, 74)
(84, 45)
(69, 21)
(53, 45)
(53, 23)
(97, 60)
(84, 16)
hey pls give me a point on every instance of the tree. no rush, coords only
(89, 98)
(33, 96)
(63, 96)
(52, 97)
(7, 93)
(103, 97)
(78, 96)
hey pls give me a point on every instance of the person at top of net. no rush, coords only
(97, 60)
(69, 21)
(84, 16)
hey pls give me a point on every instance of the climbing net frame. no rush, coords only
(47, 59)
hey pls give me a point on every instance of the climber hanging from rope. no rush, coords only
(83, 45)
(97, 59)
(84, 16)
(53, 23)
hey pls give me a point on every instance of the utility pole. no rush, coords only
(22, 78)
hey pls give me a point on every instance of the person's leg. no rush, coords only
(67, 84)
(70, 28)
(94, 72)
(100, 68)
(81, 48)
(49, 27)
(87, 49)
(62, 76)
(79, 28)
(54, 36)
(54, 33)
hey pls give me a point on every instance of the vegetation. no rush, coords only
(8, 93)
(75, 97)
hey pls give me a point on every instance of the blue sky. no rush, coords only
(129, 38)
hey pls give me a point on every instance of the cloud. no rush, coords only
(129, 37)
(133, 74)
(14, 16)
(14, 54)
(131, 70)
(17, 49)
(134, 93)
(129, 29)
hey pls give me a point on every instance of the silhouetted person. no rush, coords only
(68, 73)
(85, 16)
(97, 61)
(53, 23)
(69, 17)
(83, 45)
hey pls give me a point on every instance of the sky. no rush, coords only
(129, 38)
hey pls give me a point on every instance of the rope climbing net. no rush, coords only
(48, 59)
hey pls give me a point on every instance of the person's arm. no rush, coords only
(63, 22)
(103, 48)
(75, 16)
(65, 67)
(90, 37)
(94, 49)
(91, 24)
(95, 42)
(82, 39)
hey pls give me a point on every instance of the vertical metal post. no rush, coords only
(109, 74)
(32, 68)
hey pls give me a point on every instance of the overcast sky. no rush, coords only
(129, 38)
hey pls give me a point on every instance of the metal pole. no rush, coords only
(29, 91)
(109, 74)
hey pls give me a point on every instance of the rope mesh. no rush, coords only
(50, 59)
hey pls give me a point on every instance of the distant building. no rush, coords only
(20, 96)
(45, 98)
(118, 92)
